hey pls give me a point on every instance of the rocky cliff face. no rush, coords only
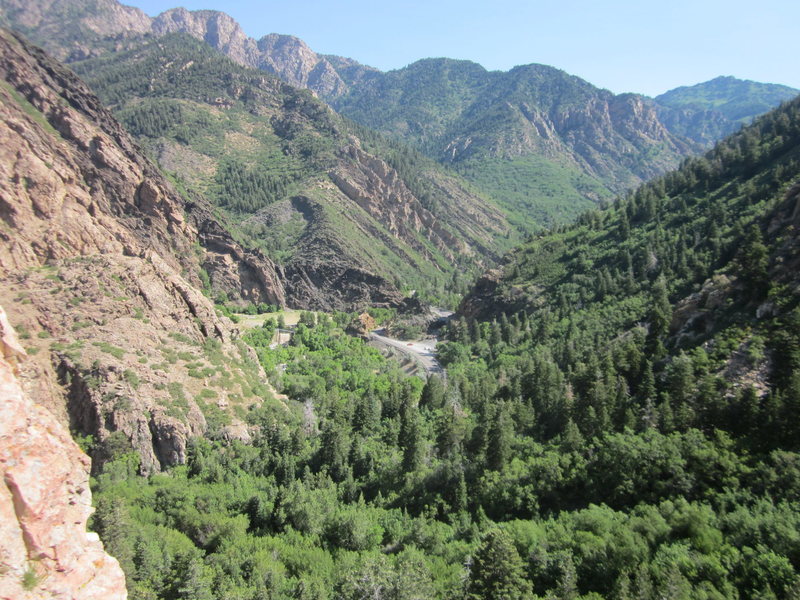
(292, 60)
(217, 29)
(378, 189)
(45, 501)
(71, 30)
(286, 56)
(363, 220)
(99, 263)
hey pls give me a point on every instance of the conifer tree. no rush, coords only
(497, 571)
(501, 432)
(410, 438)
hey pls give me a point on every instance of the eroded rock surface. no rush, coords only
(100, 263)
(45, 501)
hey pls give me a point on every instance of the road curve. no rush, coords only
(423, 353)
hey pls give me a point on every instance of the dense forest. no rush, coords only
(620, 421)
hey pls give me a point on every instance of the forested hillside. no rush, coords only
(547, 145)
(738, 100)
(348, 215)
(624, 427)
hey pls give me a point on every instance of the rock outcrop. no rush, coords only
(45, 549)
(292, 60)
(100, 262)
(69, 28)
(54, 24)
(286, 56)
(378, 189)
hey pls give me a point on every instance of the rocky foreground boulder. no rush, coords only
(45, 501)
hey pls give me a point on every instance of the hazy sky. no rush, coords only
(622, 45)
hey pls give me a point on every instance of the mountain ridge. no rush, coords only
(581, 155)
(739, 100)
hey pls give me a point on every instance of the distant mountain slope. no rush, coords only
(338, 206)
(544, 144)
(535, 127)
(738, 100)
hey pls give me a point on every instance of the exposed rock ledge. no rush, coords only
(45, 550)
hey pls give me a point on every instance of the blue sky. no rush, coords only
(622, 45)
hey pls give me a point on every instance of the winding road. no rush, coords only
(421, 352)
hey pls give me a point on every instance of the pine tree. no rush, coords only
(410, 438)
(498, 449)
(497, 571)
(753, 264)
(659, 317)
(433, 394)
(193, 582)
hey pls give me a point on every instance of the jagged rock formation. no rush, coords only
(378, 189)
(99, 269)
(45, 501)
(292, 60)
(71, 30)
(284, 55)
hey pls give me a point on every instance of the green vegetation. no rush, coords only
(262, 152)
(596, 436)
(132, 378)
(533, 189)
(738, 100)
(31, 578)
(108, 348)
(419, 103)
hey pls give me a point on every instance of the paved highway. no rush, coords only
(423, 353)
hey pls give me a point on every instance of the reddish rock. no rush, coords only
(45, 501)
